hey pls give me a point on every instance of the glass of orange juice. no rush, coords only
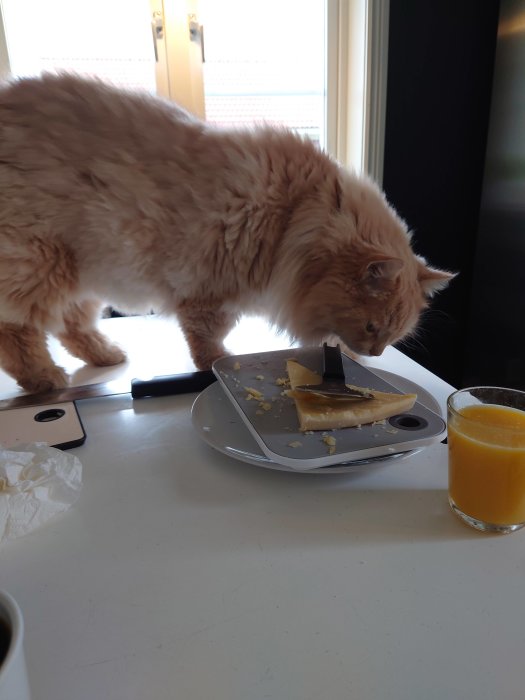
(486, 457)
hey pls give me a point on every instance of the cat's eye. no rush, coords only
(370, 328)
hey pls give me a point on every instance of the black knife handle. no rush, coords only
(171, 384)
(332, 363)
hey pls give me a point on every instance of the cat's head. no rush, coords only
(357, 277)
(368, 305)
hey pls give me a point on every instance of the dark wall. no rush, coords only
(496, 338)
(440, 67)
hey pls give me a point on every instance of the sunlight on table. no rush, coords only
(155, 346)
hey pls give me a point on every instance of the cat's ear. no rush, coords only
(380, 272)
(432, 280)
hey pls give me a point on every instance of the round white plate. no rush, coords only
(220, 426)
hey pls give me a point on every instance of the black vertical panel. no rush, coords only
(496, 338)
(440, 67)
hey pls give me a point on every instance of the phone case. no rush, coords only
(58, 425)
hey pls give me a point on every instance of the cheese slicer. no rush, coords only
(333, 384)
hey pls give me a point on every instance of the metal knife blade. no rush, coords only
(167, 385)
(333, 384)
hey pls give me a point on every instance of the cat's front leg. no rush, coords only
(205, 328)
(83, 340)
(24, 356)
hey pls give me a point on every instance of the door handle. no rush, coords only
(157, 31)
(196, 33)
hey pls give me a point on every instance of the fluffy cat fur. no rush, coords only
(109, 197)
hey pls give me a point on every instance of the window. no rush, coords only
(318, 66)
(265, 62)
(107, 38)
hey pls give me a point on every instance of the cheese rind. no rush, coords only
(321, 413)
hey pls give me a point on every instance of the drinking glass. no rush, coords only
(486, 457)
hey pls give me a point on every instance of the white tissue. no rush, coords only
(36, 483)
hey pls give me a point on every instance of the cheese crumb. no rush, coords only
(265, 406)
(253, 394)
(295, 443)
(329, 440)
(237, 365)
(260, 377)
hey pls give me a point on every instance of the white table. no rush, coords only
(181, 573)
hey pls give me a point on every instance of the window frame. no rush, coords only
(356, 81)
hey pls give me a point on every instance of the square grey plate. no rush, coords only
(272, 419)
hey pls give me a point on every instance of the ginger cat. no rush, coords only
(111, 197)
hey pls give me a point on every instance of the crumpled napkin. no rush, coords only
(36, 483)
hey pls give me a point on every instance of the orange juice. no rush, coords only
(487, 463)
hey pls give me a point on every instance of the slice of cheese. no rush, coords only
(320, 413)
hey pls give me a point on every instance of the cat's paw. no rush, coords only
(94, 348)
(46, 380)
(107, 355)
(204, 358)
